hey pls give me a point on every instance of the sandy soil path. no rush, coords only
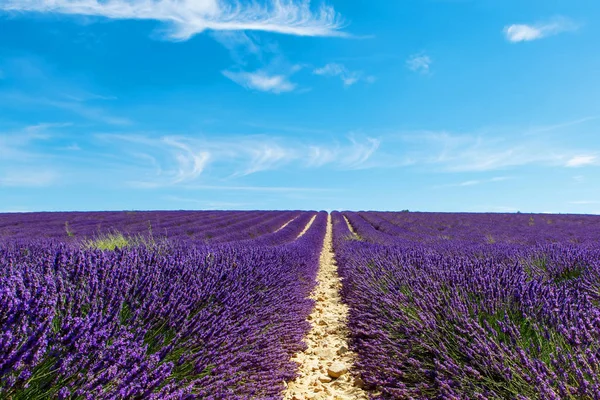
(349, 226)
(324, 367)
(307, 227)
(286, 224)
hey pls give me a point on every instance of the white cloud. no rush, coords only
(560, 126)
(42, 87)
(419, 63)
(189, 17)
(262, 81)
(584, 202)
(266, 156)
(488, 151)
(469, 183)
(348, 77)
(476, 182)
(353, 156)
(27, 177)
(184, 160)
(190, 163)
(524, 33)
(268, 189)
(206, 205)
(240, 45)
(581, 161)
(359, 153)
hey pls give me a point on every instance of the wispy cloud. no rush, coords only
(582, 161)
(261, 81)
(355, 156)
(172, 160)
(559, 126)
(190, 163)
(275, 189)
(525, 33)
(37, 85)
(476, 182)
(266, 156)
(347, 76)
(206, 205)
(184, 160)
(186, 18)
(463, 152)
(241, 45)
(419, 63)
(491, 149)
(27, 177)
(584, 202)
(23, 144)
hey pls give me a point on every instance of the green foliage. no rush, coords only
(113, 240)
(354, 238)
(68, 229)
(568, 274)
(109, 241)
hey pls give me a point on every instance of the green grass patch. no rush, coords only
(569, 274)
(115, 239)
(68, 229)
(108, 241)
(353, 237)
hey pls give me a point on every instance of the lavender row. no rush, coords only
(515, 228)
(176, 225)
(255, 228)
(188, 321)
(289, 232)
(477, 321)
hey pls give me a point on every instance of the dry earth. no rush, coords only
(325, 366)
(307, 227)
(284, 225)
(349, 226)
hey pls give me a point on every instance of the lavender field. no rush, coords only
(466, 306)
(215, 304)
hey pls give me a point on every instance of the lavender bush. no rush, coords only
(187, 320)
(433, 318)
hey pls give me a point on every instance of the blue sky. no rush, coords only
(432, 105)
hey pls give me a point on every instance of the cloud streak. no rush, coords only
(581, 161)
(261, 81)
(348, 77)
(490, 149)
(37, 85)
(476, 182)
(419, 63)
(27, 178)
(525, 33)
(184, 160)
(186, 18)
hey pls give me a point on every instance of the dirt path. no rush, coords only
(307, 227)
(286, 224)
(349, 226)
(324, 366)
